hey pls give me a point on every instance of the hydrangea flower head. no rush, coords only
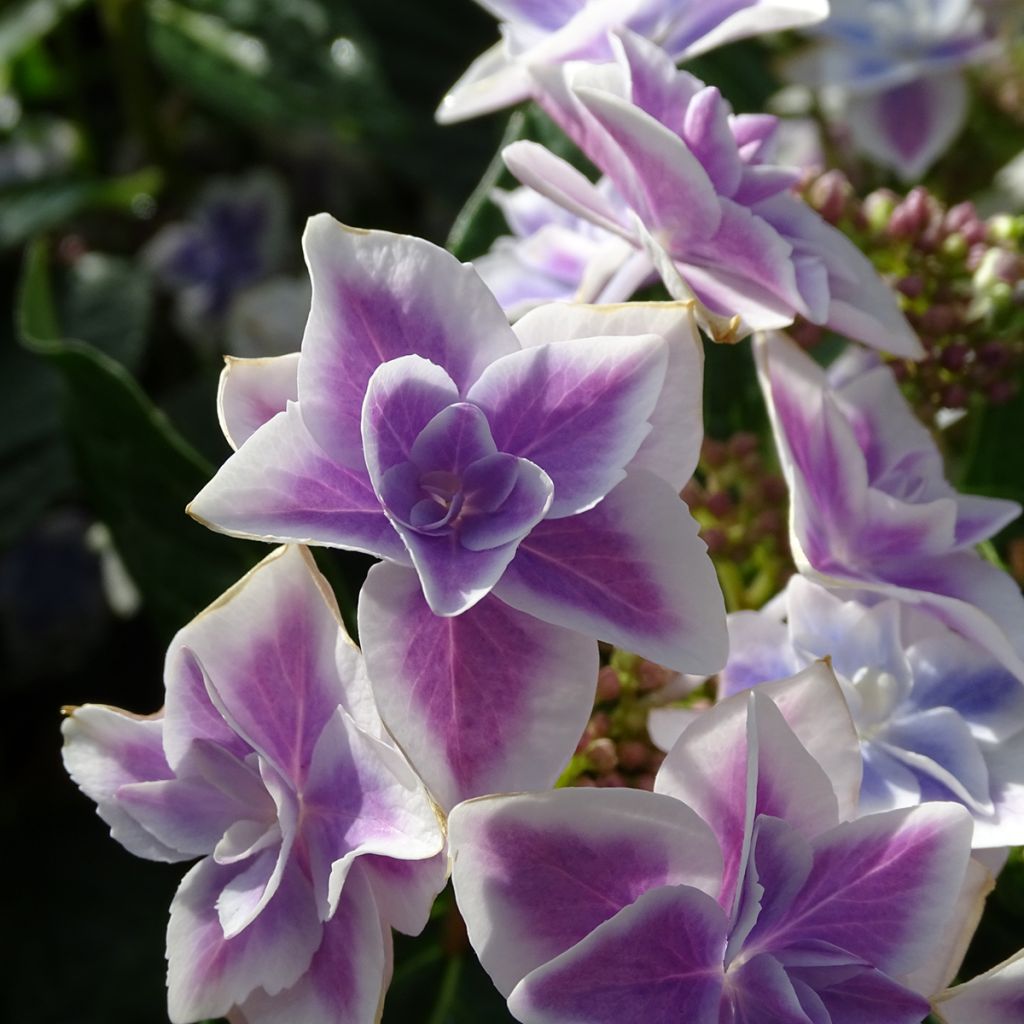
(871, 508)
(738, 891)
(706, 205)
(269, 762)
(938, 718)
(522, 483)
(896, 68)
(562, 30)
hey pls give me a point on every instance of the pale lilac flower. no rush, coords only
(554, 255)
(738, 891)
(995, 997)
(871, 508)
(938, 718)
(270, 763)
(707, 206)
(522, 483)
(896, 69)
(554, 31)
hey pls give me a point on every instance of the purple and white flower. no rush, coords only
(521, 485)
(894, 70)
(554, 31)
(938, 718)
(871, 508)
(270, 763)
(738, 891)
(707, 206)
(554, 255)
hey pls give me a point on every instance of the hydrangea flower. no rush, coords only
(561, 30)
(895, 67)
(521, 485)
(707, 206)
(738, 891)
(870, 505)
(554, 255)
(232, 239)
(270, 763)
(938, 718)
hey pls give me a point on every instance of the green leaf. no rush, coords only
(27, 21)
(107, 304)
(269, 64)
(136, 470)
(995, 464)
(30, 209)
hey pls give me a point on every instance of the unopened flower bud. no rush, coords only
(608, 685)
(601, 755)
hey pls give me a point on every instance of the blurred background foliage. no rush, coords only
(115, 117)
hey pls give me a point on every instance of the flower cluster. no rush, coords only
(961, 282)
(798, 850)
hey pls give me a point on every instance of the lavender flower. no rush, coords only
(270, 763)
(506, 477)
(896, 68)
(938, 718)
(871, 509)
(706, 206)
(738, 891)
(560, 30)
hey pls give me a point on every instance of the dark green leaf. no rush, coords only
(31, 209)
(27, 21)
(995, 464)
(136, 470)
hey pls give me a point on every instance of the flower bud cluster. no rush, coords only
(960, 279)
(741, 503)
(615, 749)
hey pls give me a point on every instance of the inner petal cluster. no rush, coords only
(456, 482)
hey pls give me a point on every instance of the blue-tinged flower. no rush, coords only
(231, 240)
(554, 255)
(706, 205)
(269, 762)
(520, 484)
(739, 890)
(871, 508)
(896, 68)
(555, 31)
(938, 718)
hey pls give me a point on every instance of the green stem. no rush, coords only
(449, 989)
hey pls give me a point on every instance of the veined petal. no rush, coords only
(659, 959)
(281, 486)
(490, 83)
(576, 408)
(361, 798)
(655, 171)
(267, 649)
(740, 760)
(882, 887)
(402, 397)
(347, 976)
(105, 749)
(536, 874)
(377, 297)
(872, 998)
(631, 571)
(760, 992)
(253, 391)
(673, 445)
(470, 698)
(207, 974)
(404, 890)
(560, 182)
